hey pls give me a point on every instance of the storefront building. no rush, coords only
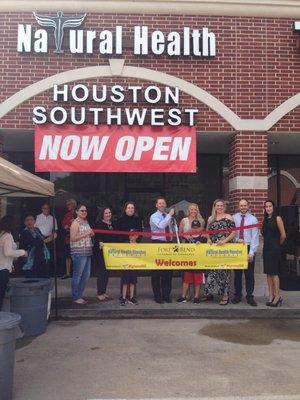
(230, 69)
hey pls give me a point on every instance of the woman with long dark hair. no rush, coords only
(274, 235)
(129, 221)
(8, 251)
(103, 222)
(81, 247)
(32, 240)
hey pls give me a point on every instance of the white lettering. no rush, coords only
(60, 92)
(174, 44)
(76, 41)
(80, 93)
(161, 146)
(135, 115)
(57, 110)
(39, 115)
(143, 144)
(41, 42)
(90, 37)
(95, 145)
(125, 148)
(24, 38)
(180, 148)
(50, 147)
(70, 147)
(106, 42)
(158, 42)
(141, 40)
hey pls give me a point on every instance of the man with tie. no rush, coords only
(160, 222)
(251, 237)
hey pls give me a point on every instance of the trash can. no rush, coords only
(9, 332)
(29, 298)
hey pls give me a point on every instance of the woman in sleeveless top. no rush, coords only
(274, 235)
(218, 281)
(81, 246)
(195, 221)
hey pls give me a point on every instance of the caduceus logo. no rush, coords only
(59, 23)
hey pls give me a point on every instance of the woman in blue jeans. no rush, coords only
(81, 246)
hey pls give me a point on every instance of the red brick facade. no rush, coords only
(257, 67)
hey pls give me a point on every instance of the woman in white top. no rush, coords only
(8, 251)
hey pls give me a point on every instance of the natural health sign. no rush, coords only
(171, 256)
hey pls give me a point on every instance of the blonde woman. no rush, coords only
(193, 221)
(218, 281)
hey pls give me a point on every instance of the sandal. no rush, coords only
(224, 302)
(102, 300)
(80, 301)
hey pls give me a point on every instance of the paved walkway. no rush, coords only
(161, 359)
(147, 308)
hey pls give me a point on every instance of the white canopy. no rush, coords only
(16, 182)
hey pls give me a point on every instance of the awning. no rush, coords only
(16, 182)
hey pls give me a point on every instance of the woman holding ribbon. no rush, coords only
(193, 221)
(104, 223)
(129, 222)
(220, 224)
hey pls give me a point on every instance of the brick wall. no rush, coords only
(256, 67)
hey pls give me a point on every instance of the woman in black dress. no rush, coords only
(129, 222)
(103, 222)
(274, 235)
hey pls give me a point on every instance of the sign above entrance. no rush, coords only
(90, 148)
(143, 40)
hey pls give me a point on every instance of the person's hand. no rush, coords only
(133, 238)
(172, 212)
(250, 257)
(26, 254)
(91, 232)
(220, 243)
(209, 241)
(101, 245)
(241, 241)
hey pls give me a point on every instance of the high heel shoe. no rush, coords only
(278, 303)
(268, 303)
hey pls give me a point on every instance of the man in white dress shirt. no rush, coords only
(160, 222)
(45, 222)
(251, 237)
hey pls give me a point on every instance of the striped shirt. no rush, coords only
(84, 246)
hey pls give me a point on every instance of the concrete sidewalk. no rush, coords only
(147, 308)
(160, 359)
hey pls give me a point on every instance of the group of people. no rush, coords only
(82, 244)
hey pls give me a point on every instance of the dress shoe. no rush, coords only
(236, 300)
(159, 301)
(278, 303)
(268, 303)
(168, 300)
(252, 302)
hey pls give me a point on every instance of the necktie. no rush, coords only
(242, 226)
(167, 229)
